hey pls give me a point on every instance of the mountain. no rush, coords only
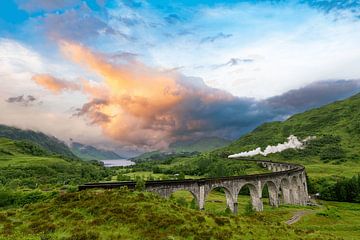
(199, 145)
(25, 164)
(336, 127)
(49, 143)
(184, 149)
(88, 152)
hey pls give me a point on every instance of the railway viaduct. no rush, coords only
(286, 185)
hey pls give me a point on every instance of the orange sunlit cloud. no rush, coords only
(53, 84)
(135, 104)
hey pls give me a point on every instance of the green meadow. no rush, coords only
(123, 214)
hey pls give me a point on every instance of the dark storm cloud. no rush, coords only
(215, 37)
(226, 118)
(91, 110)
(230, 118)
(23, 100)
(313, 95)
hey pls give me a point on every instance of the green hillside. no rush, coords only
(336, 149)
(199, 145)
(184, 149)
(49, 143)
(339, 121)
(88, 152)
(24, 164)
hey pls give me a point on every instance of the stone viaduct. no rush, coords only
(286, 185)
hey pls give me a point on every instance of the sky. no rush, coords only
(135, 76)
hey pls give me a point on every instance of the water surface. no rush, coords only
(117, 162)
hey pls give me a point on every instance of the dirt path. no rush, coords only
(297, 216)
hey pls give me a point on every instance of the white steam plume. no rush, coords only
(293, 142)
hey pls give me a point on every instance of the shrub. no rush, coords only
(181, 201)
(140, 184)
(193, 204)
(7, 198)
(329, 212)
(332, 152)
(31, 148)
(122, 177)
(228, 211)
(200, 219)
(249, 210)
(71, 188)
(31, 197)
(79, 234)
(221, 221)
(42, 226)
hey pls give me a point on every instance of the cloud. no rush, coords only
(147, 107)
(92, 110)
(234, 62)
(138, 105)
(76, 24)
(333, 5)
(124, 56)
(53, 84)
(45, 5)
(129, 21)
(216, 37)
(173, 18)
(23, 100)
(293, 45)
(313, 95)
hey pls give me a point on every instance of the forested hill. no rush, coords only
(336, 127)
(49, 143)
(199, 145)
(88, 152)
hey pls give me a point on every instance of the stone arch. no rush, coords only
(195, 197)
(255, 195)
(228, 195)
(285, 191)
(167, 191)
(272, 191)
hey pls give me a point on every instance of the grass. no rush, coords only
(122, 214)
(334, 218)
(331, 220)
(347, 169)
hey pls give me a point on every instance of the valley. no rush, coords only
(179, 120)
(39, 196)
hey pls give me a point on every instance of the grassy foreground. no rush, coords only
(122, 214)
